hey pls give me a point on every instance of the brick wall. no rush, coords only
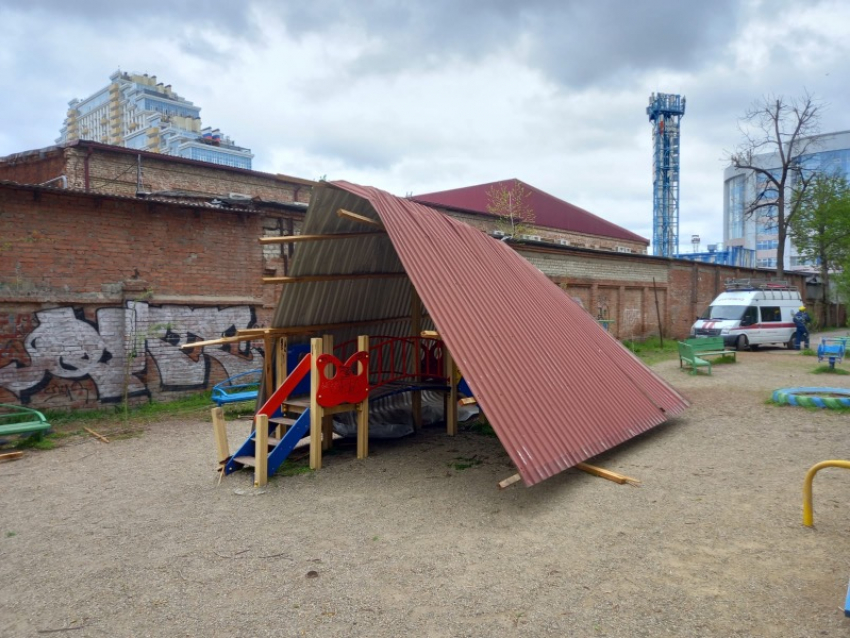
(97, 293)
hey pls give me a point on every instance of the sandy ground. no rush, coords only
(135, 538)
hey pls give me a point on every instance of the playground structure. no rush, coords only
(833, 398)
(555, 386)
(665, 112)
(341, 379)
(832, 349)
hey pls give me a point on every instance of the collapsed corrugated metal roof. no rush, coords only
(556, 387)
(548, 209)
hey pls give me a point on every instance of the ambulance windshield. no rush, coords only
(717, 313)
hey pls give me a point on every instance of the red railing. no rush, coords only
(400, 359)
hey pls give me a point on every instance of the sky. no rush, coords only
(418, 96)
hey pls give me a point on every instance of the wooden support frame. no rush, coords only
(296, 239)
(451, 398)
(261, 451)
(316, 410)
(340, 277)
(268, 364)
(415, 329)
(281, 348)
(327, 420)
(363, 408)
(347, 214)
(222, 448)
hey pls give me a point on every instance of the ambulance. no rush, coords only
(750, 314)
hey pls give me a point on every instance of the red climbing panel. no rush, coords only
(350, 383)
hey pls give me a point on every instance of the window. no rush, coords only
(735, 202)
(767, 244)
(750, 316)
(766, 263)
(771, 313)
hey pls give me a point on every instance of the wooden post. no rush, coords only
(261, 450)
(268, 369)
(328, 420)
(316, 411)
(415, 328)
(451, 400)
(222, 449)
(363, 409)
(281, 372)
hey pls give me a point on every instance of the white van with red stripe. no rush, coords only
(750, 314)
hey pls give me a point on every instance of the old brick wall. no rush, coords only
(33, 167)
(98, 293)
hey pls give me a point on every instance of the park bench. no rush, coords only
(238, 388)
(710, 347)
(16, 419)
(690, 358)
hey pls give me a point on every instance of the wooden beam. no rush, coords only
(607, 474)
(363, 407)
(341, 277)
(430, 334)
(268, 366)
(294, 239)
(359, 218)
(96, 435)
(222, 449)
(261, 451)
(509, 481)
(451, 397)
(11, 456)
(316, 412)
(468, 401)
(257, 333)
(328, 420)
(415, 329)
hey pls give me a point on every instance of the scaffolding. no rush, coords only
(665, 111)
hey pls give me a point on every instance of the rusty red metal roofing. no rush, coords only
(556, 387)
(548, 210)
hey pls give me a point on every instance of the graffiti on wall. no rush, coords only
(113, 350)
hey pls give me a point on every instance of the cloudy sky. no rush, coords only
(422, 95)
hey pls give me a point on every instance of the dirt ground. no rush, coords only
(136, 538)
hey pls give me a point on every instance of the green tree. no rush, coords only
(509, 202)
(777, 132)
(820, 228)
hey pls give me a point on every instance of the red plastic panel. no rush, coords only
(350, 384)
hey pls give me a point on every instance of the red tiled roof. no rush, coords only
(548, 210)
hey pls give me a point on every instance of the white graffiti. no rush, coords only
(111, 351)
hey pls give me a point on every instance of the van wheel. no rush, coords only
(792, 344)
(742, 343)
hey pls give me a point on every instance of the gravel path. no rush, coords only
(135, 538)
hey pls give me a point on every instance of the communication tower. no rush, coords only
(665, 111)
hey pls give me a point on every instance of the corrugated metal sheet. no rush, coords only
(548, 210)
(556, 387)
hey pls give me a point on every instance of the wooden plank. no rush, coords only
(293, 239)
(468, 401)
(11, 456)
(261, 451)
(339, 277)
(429, 334)
(509, 481)
(315, 409)
(96, 435)
(347, 214)
(281, 372)
(222, 448)
(363, 408)
(327, 420)
(251, 335)
(451, 397)
(268, 361)
(607, 474)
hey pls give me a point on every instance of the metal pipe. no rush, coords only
(62, 178)
(808, 514)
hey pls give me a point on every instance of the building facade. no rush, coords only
(138, 112)
(829, 152)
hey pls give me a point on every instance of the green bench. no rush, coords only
(710, 347)
(690, 357)
(16, 419)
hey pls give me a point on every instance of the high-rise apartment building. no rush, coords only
(137, 112)
(829, 153)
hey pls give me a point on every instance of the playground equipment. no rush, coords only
(340, 382)
(808, 513)
(16, 419)
(832, 348)
(813, 397)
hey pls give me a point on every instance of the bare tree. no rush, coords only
(509, 201)
(777, 133)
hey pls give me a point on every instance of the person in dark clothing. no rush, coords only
(802, 321)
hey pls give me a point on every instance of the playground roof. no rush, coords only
(548, 210)
(556, 387)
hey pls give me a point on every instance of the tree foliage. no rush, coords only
(777, 133)
(509, 201)
(821, 227)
